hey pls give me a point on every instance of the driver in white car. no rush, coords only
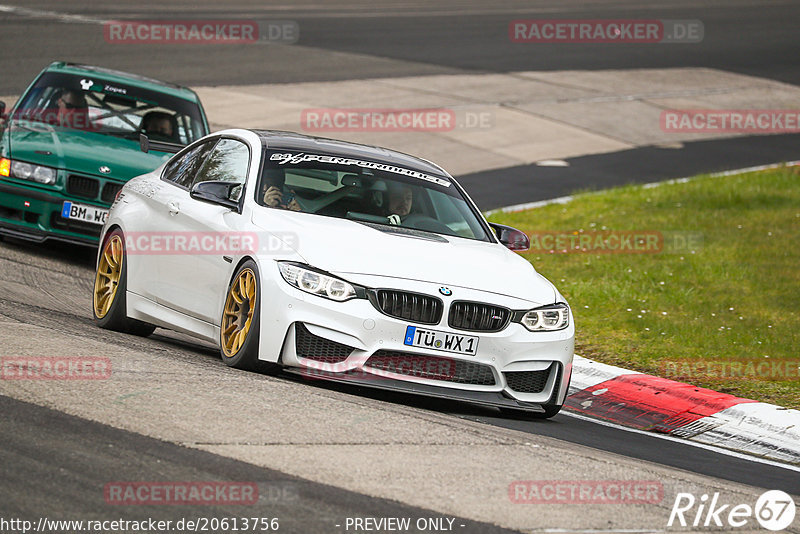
(401, 199)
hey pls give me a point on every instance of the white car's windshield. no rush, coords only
(366, 191)
(93, 105)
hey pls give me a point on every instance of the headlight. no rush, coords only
(28, 171)
(547, 318)
(316, 283)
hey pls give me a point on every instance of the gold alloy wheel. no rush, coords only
(238, 315)
(109, 271)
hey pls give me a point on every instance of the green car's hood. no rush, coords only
(81, 152)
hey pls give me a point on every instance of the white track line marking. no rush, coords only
(41, 14)
(667, 437)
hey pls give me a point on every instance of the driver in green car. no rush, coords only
(158, 126)
(73, 111)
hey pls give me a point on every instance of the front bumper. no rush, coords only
(35, 215)
(510, 357)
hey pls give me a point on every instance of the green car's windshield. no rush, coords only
(89, 103)
(396, 198)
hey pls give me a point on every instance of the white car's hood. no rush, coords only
(341, 247)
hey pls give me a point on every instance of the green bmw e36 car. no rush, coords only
(73, 139)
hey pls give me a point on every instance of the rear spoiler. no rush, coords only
(147, 145)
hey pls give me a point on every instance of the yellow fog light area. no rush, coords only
(5, 167)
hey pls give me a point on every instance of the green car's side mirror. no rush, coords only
(3, 116)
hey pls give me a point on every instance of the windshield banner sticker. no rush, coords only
(283, 159)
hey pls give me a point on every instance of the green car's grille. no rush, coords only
(110, 191)
(89, 188)
(83, 186)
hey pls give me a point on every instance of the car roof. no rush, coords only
(136, 80)
(277, 139)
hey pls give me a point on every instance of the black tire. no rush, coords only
(115, 317)
(246, 355)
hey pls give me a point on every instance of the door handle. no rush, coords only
(174, 208)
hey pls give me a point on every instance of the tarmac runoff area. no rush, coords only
(471, 123)
(502, 120)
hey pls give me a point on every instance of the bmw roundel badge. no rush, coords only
(446, 291)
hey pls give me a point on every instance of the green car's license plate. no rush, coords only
(82, 212)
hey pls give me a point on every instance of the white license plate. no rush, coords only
(444, 341)
(82, 212)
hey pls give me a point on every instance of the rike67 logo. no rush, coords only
(774, 510)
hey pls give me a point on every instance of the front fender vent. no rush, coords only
(317, 348)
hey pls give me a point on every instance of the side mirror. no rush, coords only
(146, 145)
(222, 193)
(512, 238)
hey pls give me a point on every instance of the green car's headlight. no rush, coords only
(315, 282)
(28, 171)
(547, 318)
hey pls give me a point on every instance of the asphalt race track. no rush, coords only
(108, 453)
(320, 452)
(39, 442)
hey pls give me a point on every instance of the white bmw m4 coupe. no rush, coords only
(336, 261)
